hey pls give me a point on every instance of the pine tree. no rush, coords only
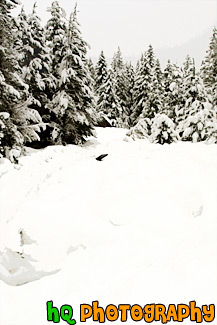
(120, 84)
(163, 130)
(9, 135)
(198, 119)
(34, 59)
(154, 103)
(101, 72)
(130, 82)
(201, 124)
(209, 76)
(91, 72)
(173, 91)
(73, 104)
(10, 81)
(108, 103)
(55, 32)
(143, 79)
(117, 61)
(22, 38)
(140, 130)
(21, 123)
(209, 67)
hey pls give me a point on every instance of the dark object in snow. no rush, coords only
(101, 157)
(104, 122)
(16, 161)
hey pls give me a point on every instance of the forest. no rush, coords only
(51, 93)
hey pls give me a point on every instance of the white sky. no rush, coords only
(175, 28)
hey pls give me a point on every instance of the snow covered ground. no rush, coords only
(138, 227)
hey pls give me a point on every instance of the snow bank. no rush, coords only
(138, 227)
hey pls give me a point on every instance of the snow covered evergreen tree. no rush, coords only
(91, 72)
(198, 119)
(34, 59)
(209, 67)
(117, 61)
(101, 72)
(9, 135)
(108, 103)
(19, 123)
(73, 103)
(155, 100)
(173, 91)
(130, 81)
(200, 125)
(55, 32)
(119, 74)
(143, 79)
(22, 37)
(163, 130)
(140, 130)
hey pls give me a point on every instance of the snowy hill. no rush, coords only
(138, 227)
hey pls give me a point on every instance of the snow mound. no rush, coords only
(140, 130)
(16, 268)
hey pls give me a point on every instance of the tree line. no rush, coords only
(51, 93)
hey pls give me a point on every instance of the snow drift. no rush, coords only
(138, 227)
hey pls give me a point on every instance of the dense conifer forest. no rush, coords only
(52, 93)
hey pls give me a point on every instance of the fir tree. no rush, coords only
(140, 130)
(34, 59)
(130, 82)
(120, 83)
(91, 72)
(201, 124)
(173, 91)
(101, 72)
(143, 79)
(209, 67)
(155, 99)
(117, 61)
(55, 32)
(22, 123)
(22, 38)
(108, 104)
(73, 104)
(163, 130)
(198, 120)
(9, 135)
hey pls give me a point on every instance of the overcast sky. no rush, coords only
(175, 28)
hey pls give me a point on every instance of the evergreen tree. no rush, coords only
(55, 32)
(34, 59)
(198, 120)
(201, 124)
(117, 61)
(173, 91)
(91, 72)
(21, 38)
(21, 123)
(108, 103)
(120, 83)
(140, 130)
(168, 75)
(209, 67)
(158, 72)
(130, 82)
(10, 81)
(101, 72)
(143, 79)
(73, 104)
(155, 99)
(163, 130)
